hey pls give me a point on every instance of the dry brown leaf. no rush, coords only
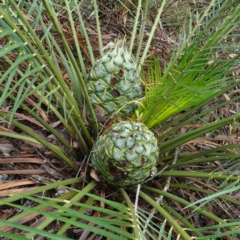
(16, 183)
(52, 172)
(237, 196)
(61, 190)
(30, 119)
(24, 172)
(22, 160)
(6, 148)
(3, 178)
(94, 175)
(55, 124)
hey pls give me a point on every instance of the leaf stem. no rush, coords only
(98, 27)
(166, 215)
(133, 214)
(82, 83)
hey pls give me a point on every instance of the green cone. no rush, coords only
(115, 82)
(126, 154)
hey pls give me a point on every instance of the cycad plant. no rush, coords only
(102, 119)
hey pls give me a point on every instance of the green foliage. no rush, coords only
(42, 69)
(198, 70)
(119, 213)
(35, 57)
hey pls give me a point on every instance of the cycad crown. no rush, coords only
(115, 83)
(126, 154)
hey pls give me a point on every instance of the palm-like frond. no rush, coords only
(197, 72)
(115, 220)
(114, 216)
(35, 58)
(40, 70)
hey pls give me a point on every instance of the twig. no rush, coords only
(137, 197)
(139, 187)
